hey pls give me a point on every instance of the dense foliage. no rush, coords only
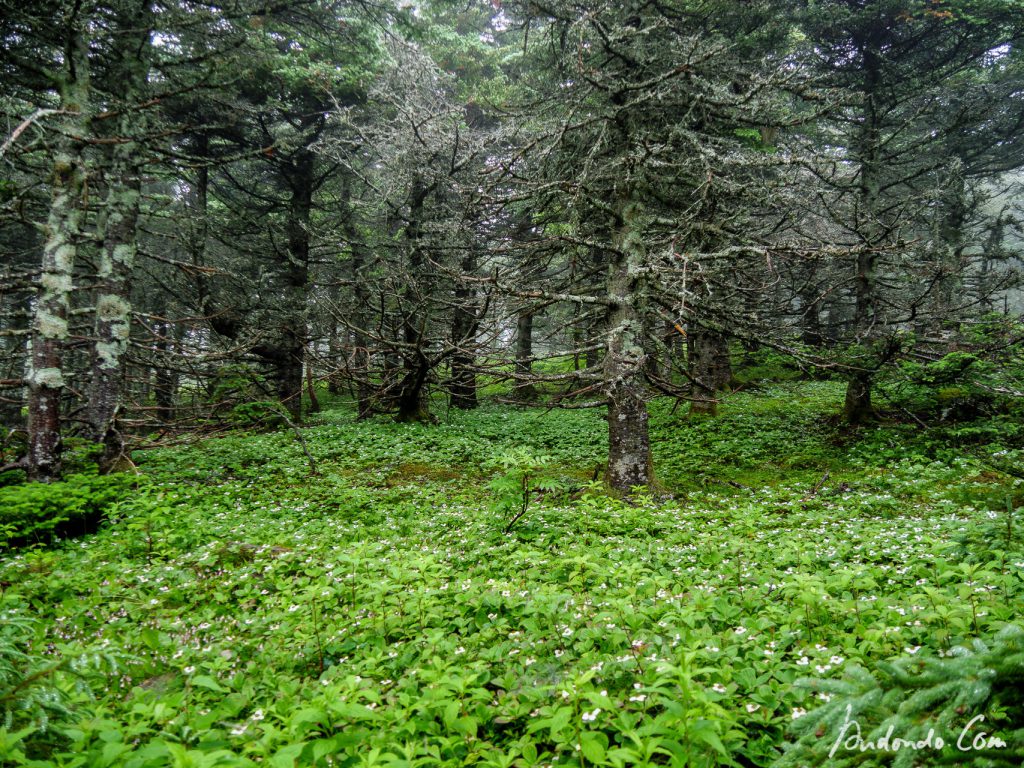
(378, 613)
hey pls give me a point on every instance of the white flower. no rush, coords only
(638, 697)
(258, 715)
(799, 712)
(751, 708)
(803, 661)
(589, 717)
(740, 630)
(459, 650)
(912, 649)
(718, 688)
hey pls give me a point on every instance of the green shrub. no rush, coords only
(39, 688)
(956, 698)
(29, 701)
(267, 414)
(764, 364)
(36, 512)
(953, 387)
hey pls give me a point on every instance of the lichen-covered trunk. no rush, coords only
(50, 324)
(112, 326)
(117, 234)
(45, 375)
(629, 445)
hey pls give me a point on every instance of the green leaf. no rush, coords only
(593, 745)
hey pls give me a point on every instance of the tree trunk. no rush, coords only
(165, 385)
(858, 388)
(314, 402)
(524, 389)
(413, 403)
(113, 307)
(63, 232)
(360, 361)
(291, 363)
(629, 446)
(464, 326)
(334, 353)
(119, 219)
(16, 309)
(872, 234)
(951, 242)
(857, 408)
(710, 368)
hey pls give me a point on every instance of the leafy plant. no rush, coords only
(524, 474)
(34, 513)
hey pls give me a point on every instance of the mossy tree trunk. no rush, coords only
(629, 445)
(49, 334)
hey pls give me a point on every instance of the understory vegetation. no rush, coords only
(469, 593)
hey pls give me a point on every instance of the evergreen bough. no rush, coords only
(910, 697)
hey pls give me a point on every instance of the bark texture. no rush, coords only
(46, 375)
(629, 445)
(710, 368)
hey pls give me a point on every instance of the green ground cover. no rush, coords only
(235, 610)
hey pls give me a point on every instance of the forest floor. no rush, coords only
(378, 612)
